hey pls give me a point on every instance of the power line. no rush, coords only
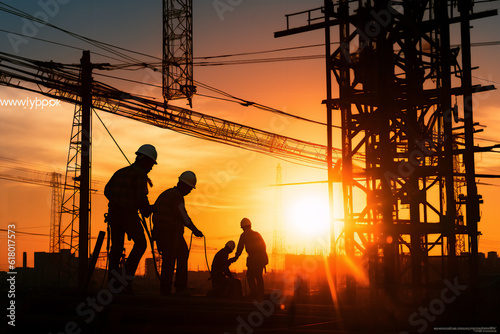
(58, 43)
(262, 52)
(230, 98)
(102, 45)
(107, 46)
(27, 233)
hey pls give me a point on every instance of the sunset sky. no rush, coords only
(233, 183)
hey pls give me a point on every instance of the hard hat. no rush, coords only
(231, 245)
(245, 222)
(188, 178)
(149, 151)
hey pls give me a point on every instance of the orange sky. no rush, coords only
(39, 139)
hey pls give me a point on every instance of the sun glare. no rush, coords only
(308, 216)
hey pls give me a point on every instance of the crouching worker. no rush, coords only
(169, 221)
(223, 282)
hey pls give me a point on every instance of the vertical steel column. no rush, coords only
(86, 92)
(447, 168)
(329, 122)
(413, 91)
(345, 93)
(472, 201)
(386, 150)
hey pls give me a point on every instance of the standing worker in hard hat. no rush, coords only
(224, 284)
(169, 221)
(127, 192)
(257, 259)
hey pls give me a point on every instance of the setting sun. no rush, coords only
(309, 216)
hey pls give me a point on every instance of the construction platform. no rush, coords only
(145, 312)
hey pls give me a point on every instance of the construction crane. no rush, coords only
(47, 179)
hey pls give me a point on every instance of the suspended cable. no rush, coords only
(27, 233)
(261, 52)
(259, 61)
(483, 79)
(102, 45)
(242, 101)
(109, 133)
(231, 99)
(58, 43)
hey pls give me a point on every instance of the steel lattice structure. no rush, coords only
(178, 50)
(397, 79)
(62, 82)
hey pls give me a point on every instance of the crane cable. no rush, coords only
(205, 249)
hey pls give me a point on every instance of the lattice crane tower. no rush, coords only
(178, 50)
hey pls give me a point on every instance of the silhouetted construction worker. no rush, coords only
(257, 259)
(169, 221)
(127, 192)
(223, 282)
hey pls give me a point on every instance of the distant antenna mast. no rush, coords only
(278, 237)
(178, 50)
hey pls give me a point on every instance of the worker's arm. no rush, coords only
(187, 220)
(239, 249)
(142, 196)
(226, 270)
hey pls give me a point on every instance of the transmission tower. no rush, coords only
(70, 210)
(178, 50)
(278, 231)
(49, 179)
(397, 76)
(55, 222)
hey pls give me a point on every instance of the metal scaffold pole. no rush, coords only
(329, 154)
(472, 199)
(86, 86)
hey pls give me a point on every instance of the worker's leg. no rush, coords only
(136, 232)
(236, 287)
(181, 275)
(251, 278)
(117, 239)
(218, 285)
(166, 247)
(260, 283)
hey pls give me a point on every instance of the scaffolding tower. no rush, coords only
(399, 81)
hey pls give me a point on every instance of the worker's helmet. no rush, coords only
(245, 222)
(149, 151)
(231, 245)
(188, 178)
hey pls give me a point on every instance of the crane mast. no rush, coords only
(178, 50)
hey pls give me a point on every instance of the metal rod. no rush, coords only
(83, 238)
